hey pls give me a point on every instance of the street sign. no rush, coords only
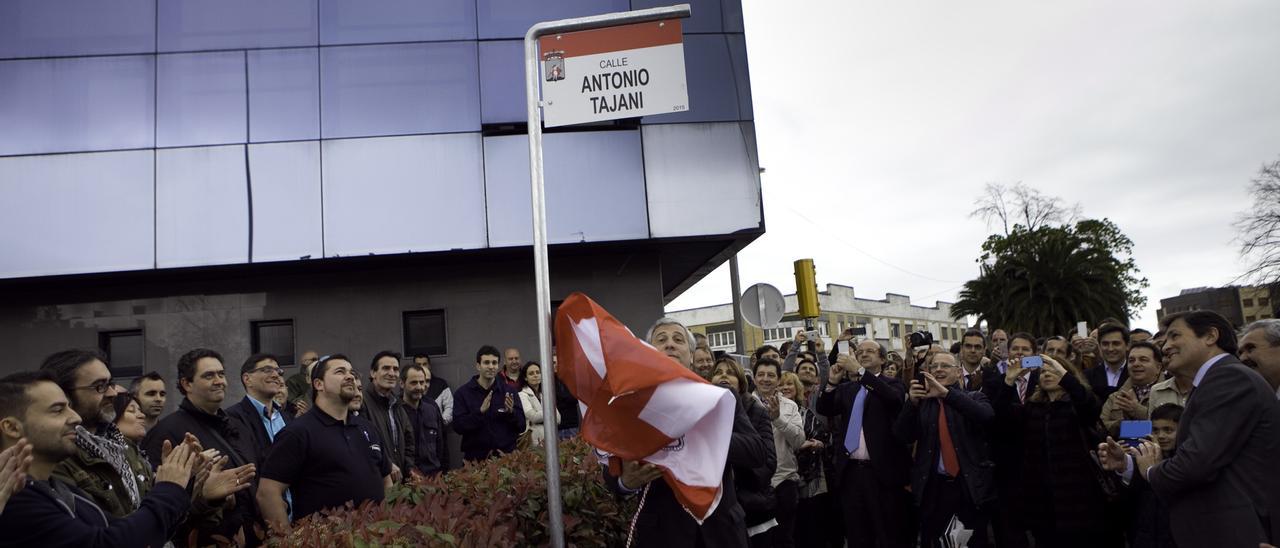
(615, 72)
(762, 306)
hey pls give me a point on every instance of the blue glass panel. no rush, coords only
(711, 74)
(68, 105)
(364, 22)
(189, 25)
(512, 18)
(202, 206)
(582, 205)
(502, 96)
(399, 89)
(286, 200)
(104, 213)
(403, 194)
(688, 166)
(704, 15)
(47, 28)
(201, 99)
(284, 94)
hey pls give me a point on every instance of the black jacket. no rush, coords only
(1097, 378)
(247, 422)
(664, 523)
(401, 448)
(890, 458)
(214, 432)
(752, 483)
(430, 454)
(567, 406)
(967, 415)
(1058, 471)
(55, 515)
(494, 431)
(1222, 487)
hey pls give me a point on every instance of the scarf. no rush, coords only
(111, 447)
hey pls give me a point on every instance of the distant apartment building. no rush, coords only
(1239, 304)
(886, 320)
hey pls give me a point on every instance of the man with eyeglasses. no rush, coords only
(257, 415)
(203, 381)
(952, 472)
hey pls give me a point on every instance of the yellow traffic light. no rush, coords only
(806, 288)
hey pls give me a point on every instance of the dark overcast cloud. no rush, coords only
(880, 122)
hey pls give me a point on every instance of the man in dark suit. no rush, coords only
(1221, 486)
(953, 474)
(870, 463)
(257, 415)
(1113, 344)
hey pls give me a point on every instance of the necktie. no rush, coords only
(852, 435)
(950, 462)
(1022, 389)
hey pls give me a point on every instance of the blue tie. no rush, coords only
(855, 420)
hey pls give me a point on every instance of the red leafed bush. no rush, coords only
(499, 502)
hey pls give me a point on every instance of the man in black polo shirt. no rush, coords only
(323, 459)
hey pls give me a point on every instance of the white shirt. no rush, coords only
(1113, 378)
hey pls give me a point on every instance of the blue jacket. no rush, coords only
(496, 430)
(54, 514)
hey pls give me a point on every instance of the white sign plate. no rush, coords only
(610, 73)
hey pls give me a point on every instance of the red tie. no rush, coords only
(949, 460)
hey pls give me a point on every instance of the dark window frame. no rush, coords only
(255, 339)
(104, 344)
(440, 350)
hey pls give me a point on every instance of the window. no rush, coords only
(424, 333)
(1264, 316)
(1247, 303)
(955, 334)
(722, 339)
(862, 320)
(897, 330)
(273, 337)
(778, 334)
(125, 350)
(1264, 301)
(1249, 318)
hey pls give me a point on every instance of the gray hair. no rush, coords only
(1270, 328)
(668, 320)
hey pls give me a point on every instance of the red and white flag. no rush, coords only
(640, 405)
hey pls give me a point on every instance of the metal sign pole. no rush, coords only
(555, 512)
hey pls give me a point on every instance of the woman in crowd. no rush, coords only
(755, 493)
(1063, 499)
(815, 510)
(531, 400)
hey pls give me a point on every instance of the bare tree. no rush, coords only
(1022, 205)
(1259, 228)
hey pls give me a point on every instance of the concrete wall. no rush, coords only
(353, 312)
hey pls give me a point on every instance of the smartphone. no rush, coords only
(1032, 362)
(842, 347)
(1082, 329)
(920, 378)
(1133, 433)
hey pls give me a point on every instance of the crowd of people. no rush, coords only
(1112, 438)
(87, 462)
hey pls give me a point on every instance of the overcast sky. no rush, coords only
(879, 123)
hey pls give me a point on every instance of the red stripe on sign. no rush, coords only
(625, 37)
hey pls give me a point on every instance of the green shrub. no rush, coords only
(499, 502)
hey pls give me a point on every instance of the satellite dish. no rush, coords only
(762, 306)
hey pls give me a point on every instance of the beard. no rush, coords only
(347, 396)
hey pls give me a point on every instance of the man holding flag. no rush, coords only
(650, 416)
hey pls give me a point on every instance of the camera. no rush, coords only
(921, 338)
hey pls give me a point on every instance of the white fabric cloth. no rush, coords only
(533, 415)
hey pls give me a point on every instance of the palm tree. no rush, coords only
(1045, 280)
